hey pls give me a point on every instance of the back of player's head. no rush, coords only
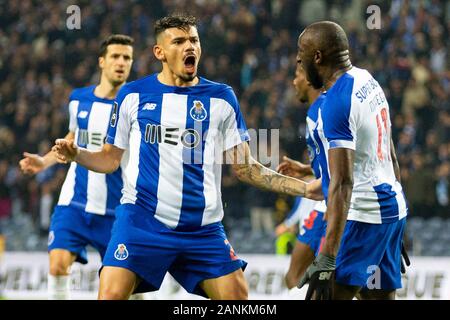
(179, 20)
(115, 39)
(328, 37)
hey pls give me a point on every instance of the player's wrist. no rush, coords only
(325, 261)
(77, 153)
(44, 162)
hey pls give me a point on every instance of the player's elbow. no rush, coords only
(344, 185)
(110, 157)
(108, 167)
(112, 167)
(347, 182)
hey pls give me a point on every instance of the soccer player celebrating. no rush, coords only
(366, 207)
(85, 211)
(170, 215)
(309, 212)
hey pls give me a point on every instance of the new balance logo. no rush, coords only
(83, 114)
(325, 275)
(149, 106)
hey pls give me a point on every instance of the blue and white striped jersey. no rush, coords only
(90, 191)
(316, 149)
(314, 133)
(176, 137)
(355, 115)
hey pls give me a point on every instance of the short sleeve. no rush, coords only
(339, 117)
(234, 129)
(121, 119)
(73, 109)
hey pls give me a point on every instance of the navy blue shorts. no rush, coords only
(73, 229)
(370, 255)
(147, 247)
(313, 230)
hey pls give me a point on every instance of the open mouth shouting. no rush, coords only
(189, 63)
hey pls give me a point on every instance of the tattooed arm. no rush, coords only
(250, 171)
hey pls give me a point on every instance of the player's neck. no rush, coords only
(333, 74)
(106, 90)
(171, 79)
(313, 94)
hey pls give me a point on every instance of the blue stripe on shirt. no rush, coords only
(193, 202)
(148, 177)
(388, 202)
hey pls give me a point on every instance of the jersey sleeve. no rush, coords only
(120, 119)
(73, 109)
(234, 129)
(73, 106)
(340, 117)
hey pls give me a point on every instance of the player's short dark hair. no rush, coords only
(178, 20)
(115, 39)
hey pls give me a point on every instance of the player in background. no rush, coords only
(170, 215)
(366, 207)
(308, 212)
(85, 210)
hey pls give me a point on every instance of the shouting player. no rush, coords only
(170, 215)
(85, 210)
(366, 207)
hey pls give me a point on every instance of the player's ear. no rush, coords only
(159, 52)
(101, 62)
(318, 58)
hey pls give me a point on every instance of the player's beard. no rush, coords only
(313, 76)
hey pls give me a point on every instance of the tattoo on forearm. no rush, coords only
(264, 178)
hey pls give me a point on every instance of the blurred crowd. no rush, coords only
(248, 44)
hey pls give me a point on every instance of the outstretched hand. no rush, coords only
(65, 150)
(293, 168)
(31, 163)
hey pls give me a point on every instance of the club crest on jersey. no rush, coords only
(51, 237)
(114, 114)
(121, 252)
(198, 111)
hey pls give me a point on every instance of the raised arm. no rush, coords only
(106, 160)
(34, 163)
(250, 171)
